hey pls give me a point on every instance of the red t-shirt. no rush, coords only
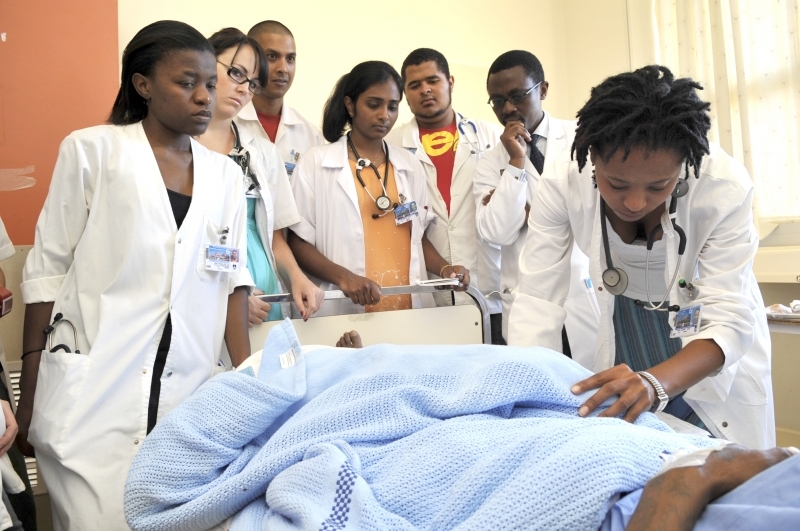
(440, 145)
(270, 123)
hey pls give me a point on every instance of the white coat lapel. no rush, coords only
(555, 140)
(413, 144)
(604, 350)
(155, 187)
(336, 158)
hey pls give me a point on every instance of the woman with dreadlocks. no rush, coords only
(666, 220)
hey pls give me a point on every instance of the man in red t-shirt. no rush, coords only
(449, 146)
(440, 144)
(268, 115)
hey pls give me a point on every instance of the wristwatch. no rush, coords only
(662, 397)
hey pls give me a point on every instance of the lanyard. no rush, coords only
(382, 202)
(241, 157)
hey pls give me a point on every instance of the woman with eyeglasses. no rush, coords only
(242, 71)
(363, 203)
(666, 219)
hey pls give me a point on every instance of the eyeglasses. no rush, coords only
(497, 102)
(239, 77)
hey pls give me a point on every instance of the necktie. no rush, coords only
(536, 156)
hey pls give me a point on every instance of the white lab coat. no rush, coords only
(735, 404)
(6, 251)
(327, 200)
(454, 234)
(295, 135)
(109, 255)
(502, 222)
(11, 482)
(6, 247)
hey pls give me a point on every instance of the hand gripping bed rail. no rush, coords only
(472, 291)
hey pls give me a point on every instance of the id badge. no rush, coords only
(221, 258)
(686, 322)
(289, 168)
(405, 212)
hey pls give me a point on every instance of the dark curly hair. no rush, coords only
(646, 108)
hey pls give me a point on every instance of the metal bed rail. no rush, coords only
(472, 291)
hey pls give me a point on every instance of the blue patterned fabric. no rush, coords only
(392, 437)
(642, 342)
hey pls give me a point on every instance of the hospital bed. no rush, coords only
(443, 325)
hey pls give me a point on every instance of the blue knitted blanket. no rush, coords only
(391, 438)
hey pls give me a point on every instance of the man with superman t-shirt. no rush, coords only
(449, 147)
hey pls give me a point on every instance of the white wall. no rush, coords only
(578, 41)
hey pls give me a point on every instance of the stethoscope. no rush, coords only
(57, 320)
(474, 142)
(242, 158)
(615, 279)
(382, 201)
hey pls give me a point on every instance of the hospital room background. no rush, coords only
(59, 71)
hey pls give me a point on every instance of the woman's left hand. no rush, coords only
(307, 296)
(636, 395)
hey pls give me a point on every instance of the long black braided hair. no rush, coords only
(646, 108)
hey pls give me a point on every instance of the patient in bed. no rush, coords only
(393, 437)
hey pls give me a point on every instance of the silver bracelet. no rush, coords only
(662, 397)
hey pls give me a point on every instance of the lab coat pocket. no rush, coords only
(212, 235)
(58, 387)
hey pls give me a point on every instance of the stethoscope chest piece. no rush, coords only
(383, 202)
(615, 280)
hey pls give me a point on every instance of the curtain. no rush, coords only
(745, 54)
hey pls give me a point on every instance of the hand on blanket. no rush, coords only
(350, 339)
(636, 395)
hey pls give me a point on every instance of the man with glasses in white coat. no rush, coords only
(449, 146)
(268, 115)
(505, 181)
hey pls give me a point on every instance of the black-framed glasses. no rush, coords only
(239, 77)
(497, 102)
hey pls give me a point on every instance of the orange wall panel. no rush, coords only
(58, 72)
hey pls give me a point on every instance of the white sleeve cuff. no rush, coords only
(519, 174)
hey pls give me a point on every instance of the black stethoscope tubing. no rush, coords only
(681, 189)
(383, 202)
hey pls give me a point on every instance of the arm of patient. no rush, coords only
(674, 500)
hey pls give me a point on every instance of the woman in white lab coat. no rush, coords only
(654, 176)
(242, 72)
(135, 265)
(363, 204)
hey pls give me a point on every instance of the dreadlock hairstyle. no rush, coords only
(647, 108)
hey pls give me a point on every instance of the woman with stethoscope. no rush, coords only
(270, 203)
(363, 203)
(666, 219)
